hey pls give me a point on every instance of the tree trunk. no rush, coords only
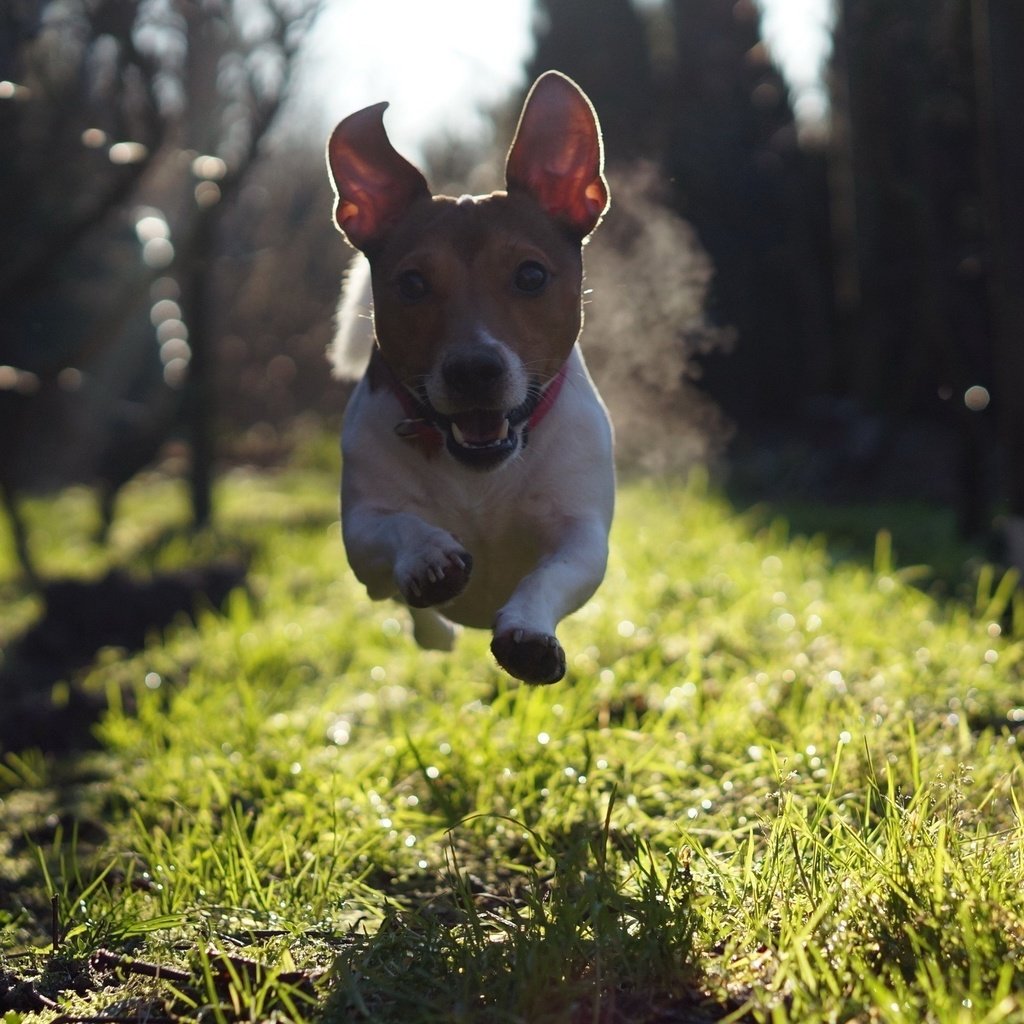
(999, 42)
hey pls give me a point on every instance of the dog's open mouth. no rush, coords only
(481, 437)
(479, 428)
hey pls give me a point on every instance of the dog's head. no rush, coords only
(477, 300)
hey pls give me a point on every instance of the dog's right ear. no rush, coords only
(373, 183)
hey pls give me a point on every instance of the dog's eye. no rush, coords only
(530, 276)
(412, 285)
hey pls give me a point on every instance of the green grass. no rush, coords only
(772, 788)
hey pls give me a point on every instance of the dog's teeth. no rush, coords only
(503, 433)
(459, 436)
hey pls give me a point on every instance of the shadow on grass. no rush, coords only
(591, 925)
(45, 705)
(925, 542)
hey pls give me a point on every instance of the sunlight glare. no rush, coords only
(799, 36)
(437, 64)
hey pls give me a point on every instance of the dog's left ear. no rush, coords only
(373, 183)
(557, 156)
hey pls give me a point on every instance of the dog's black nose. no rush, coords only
(472, 371)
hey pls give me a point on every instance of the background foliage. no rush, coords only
(836, 292)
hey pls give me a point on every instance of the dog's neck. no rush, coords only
(419, 426)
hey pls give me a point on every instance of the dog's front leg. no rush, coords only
(398, 554)
(524, 641)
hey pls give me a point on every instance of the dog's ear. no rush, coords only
(373, 183)
(557, 156)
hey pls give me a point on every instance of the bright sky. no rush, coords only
(439, 61)
(434, 62)
(798, 32)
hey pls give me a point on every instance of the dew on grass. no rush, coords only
(340, 732)
(152, 681)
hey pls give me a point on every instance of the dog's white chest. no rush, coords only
(507, 526)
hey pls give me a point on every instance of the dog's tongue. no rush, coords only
(480, 426)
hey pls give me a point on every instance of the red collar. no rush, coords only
(417, 426)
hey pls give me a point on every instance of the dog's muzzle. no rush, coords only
(485, 438)
(481, 439)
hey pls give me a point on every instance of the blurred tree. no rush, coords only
(916, 338)
(129, 130)
(81, 120)
(689, 84)
(755, 198)
(602, 45)
(998, 34)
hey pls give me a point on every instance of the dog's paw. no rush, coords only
(531, 657)
(435, 575)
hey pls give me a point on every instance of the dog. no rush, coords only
(477, 475)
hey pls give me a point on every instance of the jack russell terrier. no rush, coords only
(477, 477)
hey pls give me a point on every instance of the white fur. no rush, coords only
(349, 351)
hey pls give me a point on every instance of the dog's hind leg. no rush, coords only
(431, 630)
